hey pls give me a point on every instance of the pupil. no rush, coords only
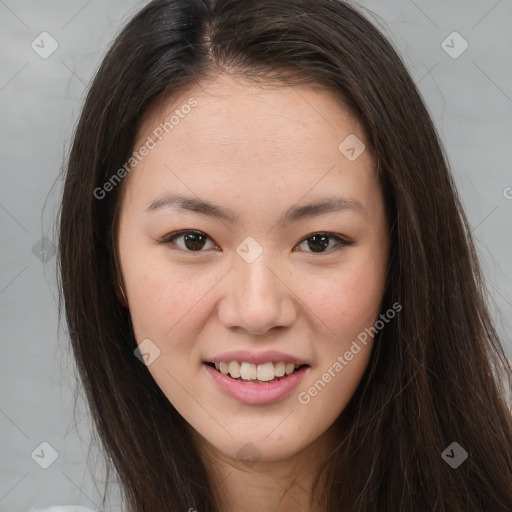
(323, 244)
(317, 243)
(195, 244)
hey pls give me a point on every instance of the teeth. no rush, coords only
(248, 371)
(265, 372)
(280, 369)
(262, 372)
(289, 368)
(234, 369)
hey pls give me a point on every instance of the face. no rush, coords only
(242, 271)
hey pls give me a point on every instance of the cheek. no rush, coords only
(346, 307)
(334, 383)
(147, 283)
(347, 299)
(165, 300)
(349, 305)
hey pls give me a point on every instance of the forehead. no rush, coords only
(230, 110)
(246, 136)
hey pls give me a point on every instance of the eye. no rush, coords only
(193, 241)
(320, 241)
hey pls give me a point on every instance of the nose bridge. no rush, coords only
(258, 299)
(259, 287)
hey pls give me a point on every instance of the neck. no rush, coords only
(284, 485)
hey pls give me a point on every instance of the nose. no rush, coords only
(257, 298)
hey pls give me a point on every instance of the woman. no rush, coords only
(271, 289)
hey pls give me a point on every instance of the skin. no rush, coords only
(257, 151)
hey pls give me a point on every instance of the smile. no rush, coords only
(262, 373)
(256, 384)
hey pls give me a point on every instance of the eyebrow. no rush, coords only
(293, 214)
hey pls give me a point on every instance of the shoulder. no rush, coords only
(63, 508)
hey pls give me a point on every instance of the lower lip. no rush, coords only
(253, 393)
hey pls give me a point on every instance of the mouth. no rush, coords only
(260, 384)
(266, 373)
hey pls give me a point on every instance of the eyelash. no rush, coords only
(341, 242)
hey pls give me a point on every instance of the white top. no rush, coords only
(63, 508)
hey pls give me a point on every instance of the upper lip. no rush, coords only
(257, 357)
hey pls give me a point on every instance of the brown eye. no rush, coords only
(193, 241)
(319, 242)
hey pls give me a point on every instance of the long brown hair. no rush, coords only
(432, 376)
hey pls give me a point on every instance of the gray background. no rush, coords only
(469, 97)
